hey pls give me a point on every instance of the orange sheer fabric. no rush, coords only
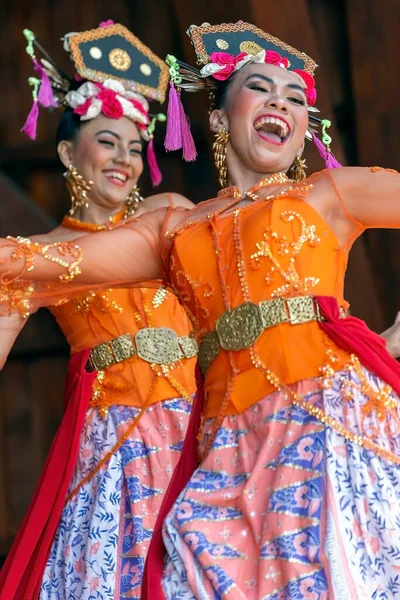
(220, 255)
(100, 316)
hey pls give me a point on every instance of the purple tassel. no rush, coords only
(189, 148)
(173, 137)
(45, 94)
(155, 172)
(30, 125)
(330, 161)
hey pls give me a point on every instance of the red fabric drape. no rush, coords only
(23, 570)
(353, 335)
(151, 584)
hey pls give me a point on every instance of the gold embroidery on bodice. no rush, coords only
(295, 284)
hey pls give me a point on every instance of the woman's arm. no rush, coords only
(48, 273)
(10, 327)
(370, 196)
(392, 337)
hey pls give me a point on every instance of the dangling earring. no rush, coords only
(220, 148)
(298, 169)
(132, 202)
(78, 189)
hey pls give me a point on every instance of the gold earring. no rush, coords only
(220, 148)
(78, 189)
(298, 169)
(132, 202)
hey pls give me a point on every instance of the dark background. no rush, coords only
(356, 44)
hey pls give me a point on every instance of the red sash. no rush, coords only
(22, 573)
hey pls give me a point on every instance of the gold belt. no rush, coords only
(240, 327)
(159, 345)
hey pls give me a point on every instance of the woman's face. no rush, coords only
(266, 115)
(107, 152)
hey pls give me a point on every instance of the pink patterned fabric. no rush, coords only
(284, 508)
(105, 530)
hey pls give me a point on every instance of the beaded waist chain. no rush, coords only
(240, 327)
(156, 345)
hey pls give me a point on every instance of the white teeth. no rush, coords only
(116, 175)
(283, 129)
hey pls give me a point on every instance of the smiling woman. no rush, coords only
(131, 375)
(108, 153)
(264, 103)
(297, 494)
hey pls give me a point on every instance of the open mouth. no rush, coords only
(116, 177)
(272, 129)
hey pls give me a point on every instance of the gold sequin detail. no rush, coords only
(98, 399)
(26, 249)
(159, 297)
(16, 297)
(95, 301)
(119, 59)
(295, 285)
(251, 48)
(377, 169)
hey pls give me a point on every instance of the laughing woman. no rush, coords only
(131, 374)
(297, 494)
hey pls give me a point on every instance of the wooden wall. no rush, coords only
(355, 44)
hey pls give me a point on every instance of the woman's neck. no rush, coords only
(242, 177)
(95, 214)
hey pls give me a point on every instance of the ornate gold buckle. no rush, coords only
(110, 353)
(209, 349)
(301, 309)
(273, 312)
(239, 328)
(189, 346)
(158, 345)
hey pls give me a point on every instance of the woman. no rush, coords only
(297, 492)
(134, 410)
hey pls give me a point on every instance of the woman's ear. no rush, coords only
(300, 152)
(64, 150)
(218, 120)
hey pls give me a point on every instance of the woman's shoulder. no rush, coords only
(166, 199)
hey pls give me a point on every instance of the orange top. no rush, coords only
(288, 250)
(100, 316)
(276, 240)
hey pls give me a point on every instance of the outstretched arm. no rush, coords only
(48, 273)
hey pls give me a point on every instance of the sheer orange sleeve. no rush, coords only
(33, 275)
(10, 328)
(370, 195)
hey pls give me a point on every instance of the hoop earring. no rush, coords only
(298, 169)
(78, 189)
(220, 148)
(132, 202)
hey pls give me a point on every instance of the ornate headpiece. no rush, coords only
(224, 49)
(120, 73)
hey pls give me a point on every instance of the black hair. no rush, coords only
(70, 122)
(219, 95)
(68, 126)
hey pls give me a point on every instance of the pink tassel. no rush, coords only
(330, 161)
(30, 125)
(45, 94)
(189, 148)
(155, 173)
(173, 137)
